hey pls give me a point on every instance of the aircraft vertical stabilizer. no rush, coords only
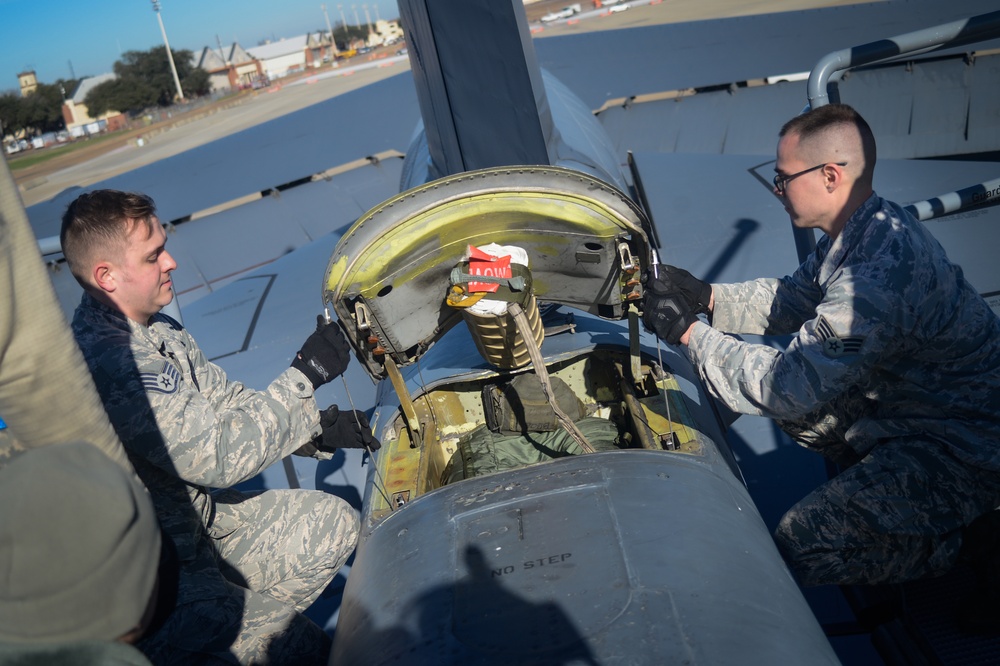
(484, 100)
(470, 88)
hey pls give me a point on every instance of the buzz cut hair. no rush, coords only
(818, 121)
(96, 225)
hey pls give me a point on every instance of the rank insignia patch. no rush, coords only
(164, 381)
(833, 345)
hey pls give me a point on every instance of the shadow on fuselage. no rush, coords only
(500, 628)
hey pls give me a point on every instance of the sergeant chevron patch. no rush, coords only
(835, 346)
(164, 381)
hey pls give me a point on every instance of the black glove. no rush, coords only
(667, 314)
(345, 430)
(325, 354)
(696, 293)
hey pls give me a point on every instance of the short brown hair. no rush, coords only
(815, 121)
(101, 219)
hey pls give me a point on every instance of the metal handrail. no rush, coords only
(976, 196)
(957, 33)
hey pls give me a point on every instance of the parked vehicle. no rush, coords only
(563, 13)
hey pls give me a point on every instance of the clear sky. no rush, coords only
(47, 35)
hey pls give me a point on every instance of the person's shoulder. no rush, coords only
(114, 351)
(912, 239)
(93, 318)
(889, 231)
(97, 331)
(894, 214)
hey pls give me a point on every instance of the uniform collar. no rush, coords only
(120, 320)
(91, 303)
(858, 222)
(855, 228)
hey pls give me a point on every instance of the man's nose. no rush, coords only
(168, 261)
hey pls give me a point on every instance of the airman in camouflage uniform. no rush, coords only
(249, 563)
(894, 371)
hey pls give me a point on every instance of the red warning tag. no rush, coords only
(481, 263)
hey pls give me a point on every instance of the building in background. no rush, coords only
(230, 67)
(320, 48)
(294, 54)
(386, 32)
(28, 82)
(77, 118)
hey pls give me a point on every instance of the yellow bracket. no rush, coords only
(635, 362)
(409, 411)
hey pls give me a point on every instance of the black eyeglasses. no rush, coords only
(781, 182)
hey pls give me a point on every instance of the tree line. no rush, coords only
(142, 80)
(39, 112)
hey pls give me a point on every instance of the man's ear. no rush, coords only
(833, 175)
(104, 276)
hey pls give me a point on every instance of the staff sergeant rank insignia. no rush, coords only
(164, 381)
(834, 346)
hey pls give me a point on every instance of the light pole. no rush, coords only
(222, 52)
(368, 19)
(343, 26)
(330, 30)
(356, 21)
(170, 56)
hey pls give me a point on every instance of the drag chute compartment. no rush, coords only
(388, 277)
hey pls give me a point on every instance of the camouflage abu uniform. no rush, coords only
(897, 365)
(248, 563)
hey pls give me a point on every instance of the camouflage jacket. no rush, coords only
(185, 426)
(880, 310)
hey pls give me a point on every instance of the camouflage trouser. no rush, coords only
(275, 552)
(896, 514)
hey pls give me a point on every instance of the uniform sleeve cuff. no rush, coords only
(299, 383)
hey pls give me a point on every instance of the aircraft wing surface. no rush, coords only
(372, 119)
(211, 251)
(220, 247)
(612, 64)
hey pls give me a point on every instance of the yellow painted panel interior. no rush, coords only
(449, 413)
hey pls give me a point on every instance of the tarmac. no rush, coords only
(201, 128)
(287, 95)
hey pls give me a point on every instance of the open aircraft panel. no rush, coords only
(389, 276)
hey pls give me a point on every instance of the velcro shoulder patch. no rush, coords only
(835, 346)
(165, 381)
